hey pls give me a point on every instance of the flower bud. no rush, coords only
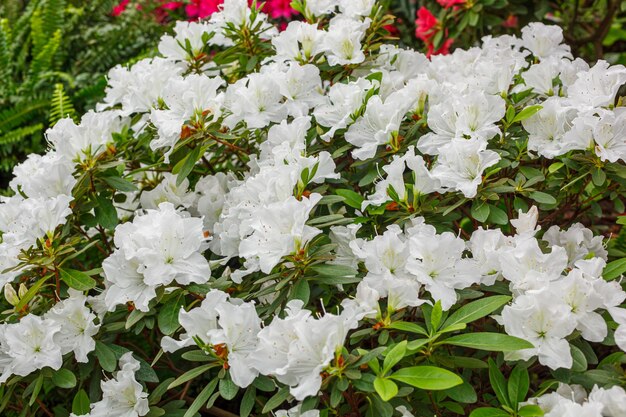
(11, 295)
(22, 290)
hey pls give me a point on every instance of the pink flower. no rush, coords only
(199, 9)
(119, 9)
(171, 5)
(446, 4)
(279, 9)
(426, 24)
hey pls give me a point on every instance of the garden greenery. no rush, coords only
(315, 222)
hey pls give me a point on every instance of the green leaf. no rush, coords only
(530, 410)
(301, 291)
(105, 212)
(351, 198)
(77, 279)
(394, 356)
(247, 402)
(498, 384)
(497, 215)
(386, 388)
(185, 166)
(542, 198)
(480, 211)
(518, 385)
(489, 412)
(463, 393)
(408, 327)
(191, 374)
(435, 315)
(36, 384)
(228, 389)
(427, 377)
(80, 403)
(495, 342)
(598, 176)
(64, 378)
(476, 310)
(276, 400)
(614, 269)
(106, 357)
(120, 184)
(526, 113)
(201, 399)
(167, 319)
(510, 114)
(579, 360)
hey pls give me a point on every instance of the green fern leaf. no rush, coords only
(43, 61)
(60, 105)
(5, 58)
(19, 114)
(18, 135)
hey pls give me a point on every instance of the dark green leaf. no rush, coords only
(542, 198)
(64, 378)
(105, 212)
(489, 412)
(498, 384)
(351, 198)
(106, 357)
(495, 342)
(77, 279)
(168, 315)
(80, 403)
(201, 399)
(476, 310)
(518, 384)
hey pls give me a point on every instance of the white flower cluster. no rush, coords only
(36, 342)
(573, 400)
(555, 293)
(294, 349)
(154, 250)
(122, 396)
(260, 217)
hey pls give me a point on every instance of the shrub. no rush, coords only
(316, 222)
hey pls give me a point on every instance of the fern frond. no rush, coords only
(37, 34)
(17, 135)
(46, 21)
(43, 61)
(60, 105)
(5, 58)
(53, 16)
(20, 114)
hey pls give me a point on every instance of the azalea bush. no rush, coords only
(317, 222)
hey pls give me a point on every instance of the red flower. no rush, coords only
(279, 9)
(444, 49)
(119, 9)
(510, 22)
(199, 9)
(426, 24)
(446, 4)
